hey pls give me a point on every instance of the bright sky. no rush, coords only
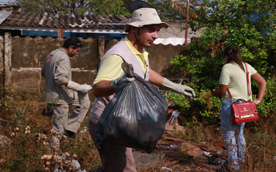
(6, 1)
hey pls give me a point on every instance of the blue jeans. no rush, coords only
(233, 136)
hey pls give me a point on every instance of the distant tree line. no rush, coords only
(96, 7)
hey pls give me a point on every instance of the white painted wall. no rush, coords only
(174, 30)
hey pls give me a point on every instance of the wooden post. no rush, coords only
(101, 47)
(187, 24)
(60, 32)
(2, 61)
(7, 59)
(1, 68)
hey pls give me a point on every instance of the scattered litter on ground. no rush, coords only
(166, 168)
(84, 130)
(173, 118)
(4, 140)
(208, 154)
(217, 161)
(171, 147)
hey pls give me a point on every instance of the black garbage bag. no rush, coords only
(135, 116)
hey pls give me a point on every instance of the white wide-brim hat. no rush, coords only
(145, 16)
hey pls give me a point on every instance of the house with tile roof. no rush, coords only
(27, 37)
(45, 24)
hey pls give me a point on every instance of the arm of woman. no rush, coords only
(262, 86)
(206, 95)
(220, 91)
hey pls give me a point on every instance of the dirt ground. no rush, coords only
(172, 153)
(176, 155)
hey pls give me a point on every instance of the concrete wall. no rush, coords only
(21, 60)
(20, 67)
(160, 56)
(175, 29)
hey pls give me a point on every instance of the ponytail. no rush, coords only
(232, 53)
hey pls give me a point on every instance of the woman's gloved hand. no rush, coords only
(206, 96)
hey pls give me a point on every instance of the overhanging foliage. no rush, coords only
(250, 25)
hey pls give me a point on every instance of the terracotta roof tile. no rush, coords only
(47, 20)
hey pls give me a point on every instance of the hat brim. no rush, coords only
(139, 24)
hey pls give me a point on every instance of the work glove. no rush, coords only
(84, 88)
(115, 84)
(73, 85)
(182, 89)
(77, 87)
(206, 96)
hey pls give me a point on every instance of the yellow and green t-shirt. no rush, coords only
(110, 67)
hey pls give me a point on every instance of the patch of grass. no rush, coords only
(29, 134)
(260, 139)
(261, 144)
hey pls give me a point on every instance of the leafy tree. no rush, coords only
(231, 22)
(111, 7)
(165, 11)
(57, 6)
(101, 7)
(250, 25)
(96, 7)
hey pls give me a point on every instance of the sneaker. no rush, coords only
(70, 134)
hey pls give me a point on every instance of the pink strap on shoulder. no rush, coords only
(247, 79)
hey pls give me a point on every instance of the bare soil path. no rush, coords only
(176, 155)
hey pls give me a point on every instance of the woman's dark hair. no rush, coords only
(72, 41)
(232, 53)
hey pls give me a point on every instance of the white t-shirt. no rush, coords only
(233, 76)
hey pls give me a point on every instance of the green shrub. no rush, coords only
(228, 23)
(224, 23)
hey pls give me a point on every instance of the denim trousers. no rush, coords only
(233, 136)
